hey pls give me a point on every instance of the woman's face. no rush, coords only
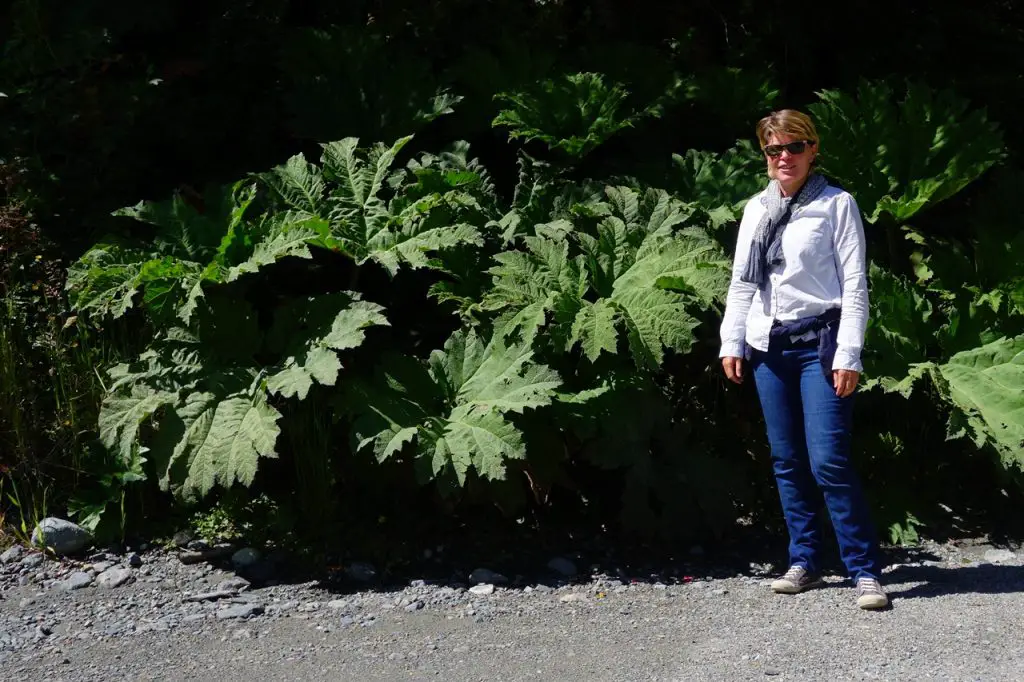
(790, 166)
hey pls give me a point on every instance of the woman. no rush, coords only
(797, 309)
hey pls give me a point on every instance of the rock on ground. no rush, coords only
(63, 537)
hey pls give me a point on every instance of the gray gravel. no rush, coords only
(958, 614)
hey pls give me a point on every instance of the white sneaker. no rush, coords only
(796, 580)
(870, 594)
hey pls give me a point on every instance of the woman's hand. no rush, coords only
(733, 369)
(844, 381)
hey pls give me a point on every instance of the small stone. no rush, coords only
(77, 581)
(418, 583)
(414, 606)
(239, 611)
(563, 566)
(13, 554)
(210, 596)
(134, 560)
(361, 571)
(198, 545)
(32, 561)
(484, 575)
(61, 536)
(101, 566)
(235, 584)
(482, 590)
(997, 556)
(26, 602)
(338, 604)
(115, 577)
(721, 593)
(347, 621)
(245, 557)
(573, 597)
(772, 672)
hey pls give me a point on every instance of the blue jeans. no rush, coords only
(809, 433)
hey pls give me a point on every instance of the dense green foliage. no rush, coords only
(512, 299)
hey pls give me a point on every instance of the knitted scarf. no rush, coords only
(766, 244)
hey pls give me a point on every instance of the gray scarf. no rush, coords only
(766, 244)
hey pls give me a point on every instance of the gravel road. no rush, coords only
(957, 614)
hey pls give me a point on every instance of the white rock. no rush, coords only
(996, 556)
(484, 589)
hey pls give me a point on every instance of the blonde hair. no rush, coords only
(786, 122)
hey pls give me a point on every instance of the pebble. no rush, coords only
(239, 611)
(77, 581)
(32, 561)
(236, 584)
(414, 606)
(114, 577)
(13, 554)
(482, 590)
(134, 560)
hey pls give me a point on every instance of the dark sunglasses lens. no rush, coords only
(793, 148)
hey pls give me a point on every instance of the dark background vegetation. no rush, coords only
(108, 102)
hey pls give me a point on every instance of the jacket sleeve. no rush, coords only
(733, 330)
(851, 265)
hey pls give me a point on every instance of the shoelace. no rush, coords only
(869, 586)
(795, 574)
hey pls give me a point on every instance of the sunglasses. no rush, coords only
(793, 148)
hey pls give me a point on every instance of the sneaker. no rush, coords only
(796, 580)
(870, 594)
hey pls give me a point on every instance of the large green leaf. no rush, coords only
(105, 281)
(228, 445)
(299, 185)
(320, 327)
(990, 381)
(357, 210)
(574, 113)
(455, 408)
(121, 417)
(288, 234)
(191, 227)
(900, 327)
(594, 329)
(719, 181)
(899, 157)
